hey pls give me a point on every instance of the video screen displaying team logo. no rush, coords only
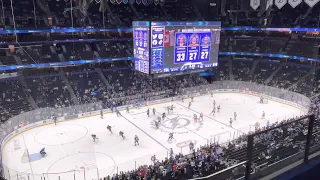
(192, 47)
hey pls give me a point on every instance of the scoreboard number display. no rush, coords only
(192, 47)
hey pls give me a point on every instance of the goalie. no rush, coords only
(43, 152)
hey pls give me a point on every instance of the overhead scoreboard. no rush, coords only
(141, 30)
(183, 46)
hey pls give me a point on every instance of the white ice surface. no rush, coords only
(72, 152)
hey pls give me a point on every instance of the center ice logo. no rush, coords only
(179, 124)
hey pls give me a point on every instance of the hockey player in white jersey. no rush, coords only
(263, 115)
(218, 108)
(213, 112)
(101, 114)
(153, 159)
(127, 108)
(189, 105)
(136, 140)
(192, 99)
(235, 116)
(121, 134)
(230, 122)
(191, 146)
(201, 116)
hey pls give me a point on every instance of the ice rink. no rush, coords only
(72, 152)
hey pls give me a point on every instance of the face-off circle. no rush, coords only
(179, 124)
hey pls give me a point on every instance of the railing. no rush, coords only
(107, 166)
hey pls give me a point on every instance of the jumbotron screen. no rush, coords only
(180, 46)
(141, 45)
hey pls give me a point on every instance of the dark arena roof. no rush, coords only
(70, 68)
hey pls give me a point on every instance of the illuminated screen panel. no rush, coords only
(141, 45)
(180, 46)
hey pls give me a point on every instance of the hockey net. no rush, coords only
(25, 157)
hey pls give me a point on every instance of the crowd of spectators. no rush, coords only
(283, 139)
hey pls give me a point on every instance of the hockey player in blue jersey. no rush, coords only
(109, 128)
(121, 134)
(136, 140)
(43, 152)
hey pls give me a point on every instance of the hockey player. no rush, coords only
(195, 118)
(189, 105)
(230, 122)
(43, 152)
(153, 158)
(192, 99)
(214, 103)
(201, 116)
(235, 116)
(109, 128)
(159, 119)
(261, 100)
(148, 112)
(121, 134)
(154, 111)
(156, 124)
(136, 140)
(101, 114)
(94, 137)
(257, 126)
(163, 116)
(171, 108)
(263, 115)
(218, 108)
(118, 113)
(170, 136)
(213, 111)
(111, 109)
(182, 99)
(191, 146)
(171, 153)
(211, 94)
(127, 108)
(54, 120)
(168, 109)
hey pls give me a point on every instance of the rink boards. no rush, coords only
(27, 127)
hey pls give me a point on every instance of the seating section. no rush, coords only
(49, 90)
(13, 101)
(288, 75)
(241, 70)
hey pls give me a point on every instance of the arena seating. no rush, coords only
(49, 89)
(13, 101)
